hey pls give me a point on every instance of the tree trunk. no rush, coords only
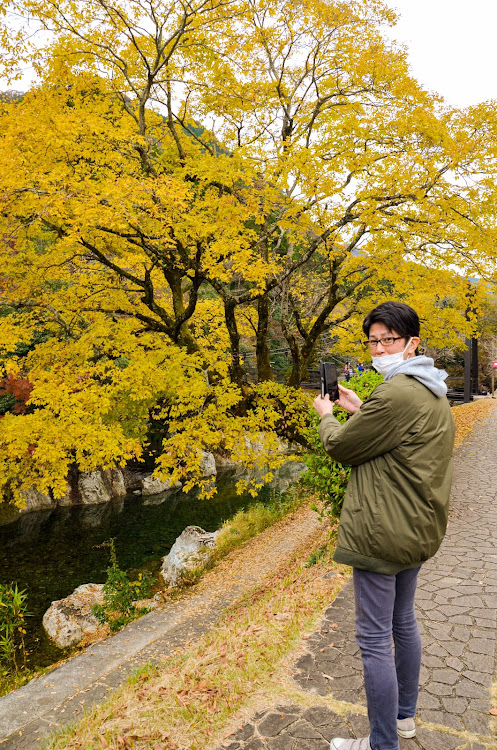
(237, 372)
(184, 336)
(300, 370)
(262, 347)
(286, 327)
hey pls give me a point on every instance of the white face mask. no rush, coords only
(387, 362)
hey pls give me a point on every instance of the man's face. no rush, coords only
(379, 332)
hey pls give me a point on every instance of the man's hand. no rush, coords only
(323, 405)
(349, 400)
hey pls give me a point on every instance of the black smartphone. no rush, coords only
(329, 380)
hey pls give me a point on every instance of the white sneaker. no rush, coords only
(340, 744)
(406, 728)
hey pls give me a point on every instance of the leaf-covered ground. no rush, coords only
(467, 416)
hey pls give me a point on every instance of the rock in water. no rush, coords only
(35, 500)
(68, 620)
(208, 465)
(153, 486)
(101, 486)
(192, 549)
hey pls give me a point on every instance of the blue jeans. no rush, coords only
(385, 607)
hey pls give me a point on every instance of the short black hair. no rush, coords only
(396, 316)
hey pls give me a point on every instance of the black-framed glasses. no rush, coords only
(385, 341)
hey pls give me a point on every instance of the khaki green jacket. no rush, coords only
(400, 447)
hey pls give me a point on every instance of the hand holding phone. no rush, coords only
(348, 399)
(329, 380)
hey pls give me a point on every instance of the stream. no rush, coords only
(51, 552)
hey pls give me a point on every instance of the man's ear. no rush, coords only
(413, 345)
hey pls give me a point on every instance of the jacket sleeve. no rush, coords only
(370, 432)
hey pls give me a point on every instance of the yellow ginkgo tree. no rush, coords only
(188, 185)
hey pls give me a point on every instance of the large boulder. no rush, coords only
(192, 549)
(35, 500)
(287, 475)
(101, 486)
(87, 488)
(208, 465)
(68, 620)
(255, 442)
(151, 485)
(154, 486)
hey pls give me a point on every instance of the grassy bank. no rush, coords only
(247, 523)
(188, 701)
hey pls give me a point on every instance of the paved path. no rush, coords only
(457, 608)
(30, 714)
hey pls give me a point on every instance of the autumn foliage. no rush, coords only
(191, 190)
(14, 394)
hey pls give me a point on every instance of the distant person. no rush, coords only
(348, 371)
(399, 443)
(360, 368)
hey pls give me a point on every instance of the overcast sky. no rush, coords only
(452, 46)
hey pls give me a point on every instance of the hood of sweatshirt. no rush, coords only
(422, 368)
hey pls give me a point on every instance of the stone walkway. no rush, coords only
(29, 715)
(457, 608)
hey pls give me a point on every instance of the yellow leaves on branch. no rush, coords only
(90, 404)
(249, 439)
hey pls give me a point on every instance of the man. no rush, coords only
(399, 444)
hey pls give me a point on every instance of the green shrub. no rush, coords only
(119, 593)
(326, 478)
(12, 627)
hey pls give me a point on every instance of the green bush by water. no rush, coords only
(120, 594)
(326, 478)
(12, 628)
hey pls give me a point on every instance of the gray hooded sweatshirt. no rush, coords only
(422, 368)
